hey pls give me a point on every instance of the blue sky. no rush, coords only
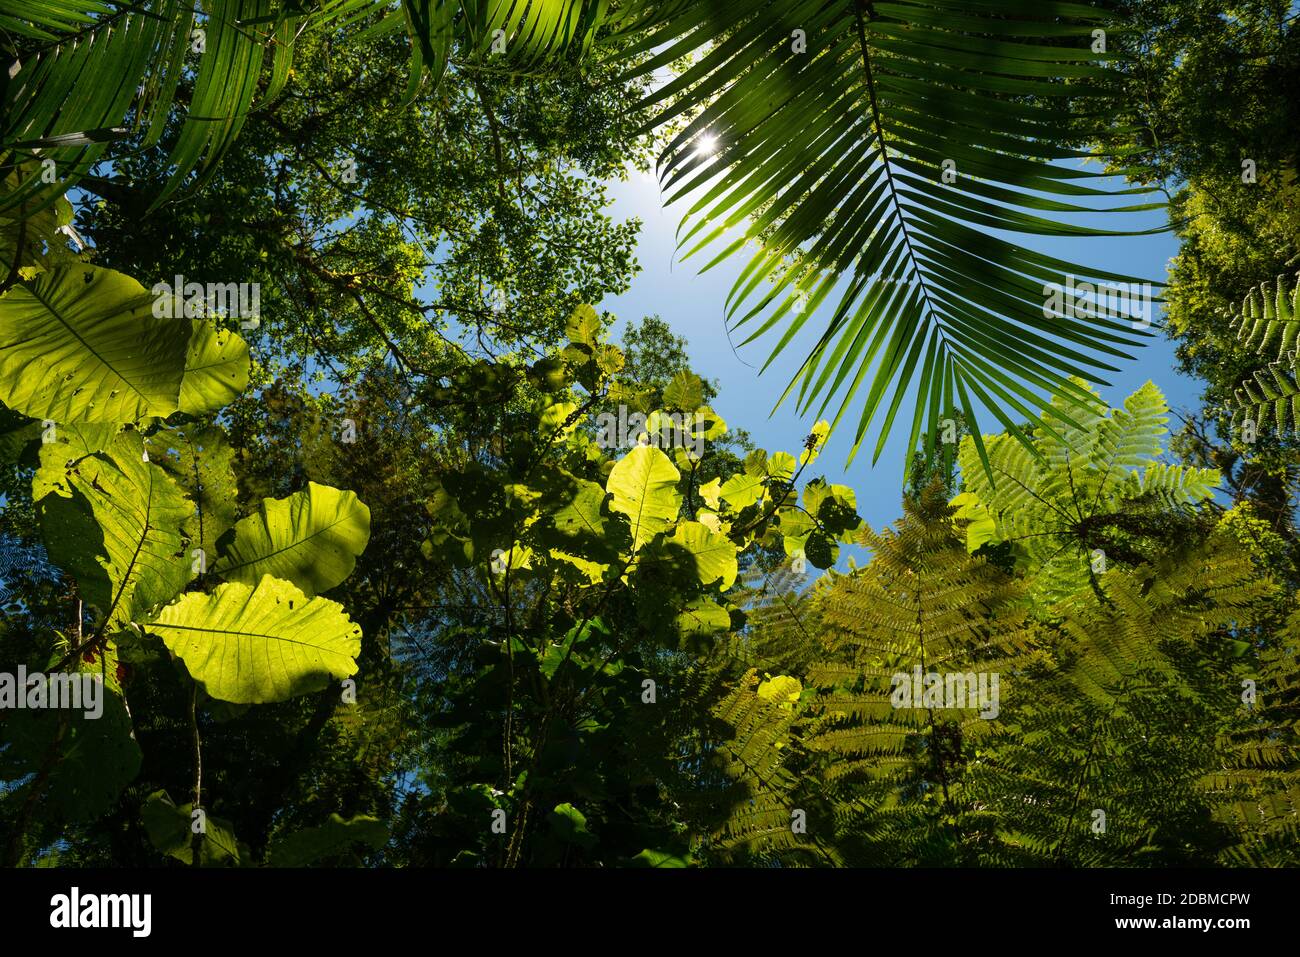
(693, 305)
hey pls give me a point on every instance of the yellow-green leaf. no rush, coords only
(312, 538)
(254, 645)
(644, 488)
(81, 344)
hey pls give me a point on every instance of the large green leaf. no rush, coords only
(712, 555)
(569, 825)
(17, 436)
(216, 369)
(81, 344)
(312, 538)
(30, 232)
(575, 521)
(653, 858)
(685, 391)
(252, 645)
(332, 838)
(199, 459)
(113, 521)
(74, 441)
(702, 617)
(743, 489)
(171, 831)
(644, 488)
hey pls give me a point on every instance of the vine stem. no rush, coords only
(196, 842)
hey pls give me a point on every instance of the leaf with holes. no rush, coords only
(216, 369)
(81, 344)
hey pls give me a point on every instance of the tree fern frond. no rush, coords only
(1269, 318)
(762, 816)
(1072, 509)
(1259, 780)
(922, 605)
(1273, 390)
(1120, 738)
(1129, 438)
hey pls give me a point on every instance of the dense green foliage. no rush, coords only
(363, 542)
(1107, 667)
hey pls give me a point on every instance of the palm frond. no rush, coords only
(45, 19)
(116, 74)
(823, 130)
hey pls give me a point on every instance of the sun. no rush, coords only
(706, 146)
